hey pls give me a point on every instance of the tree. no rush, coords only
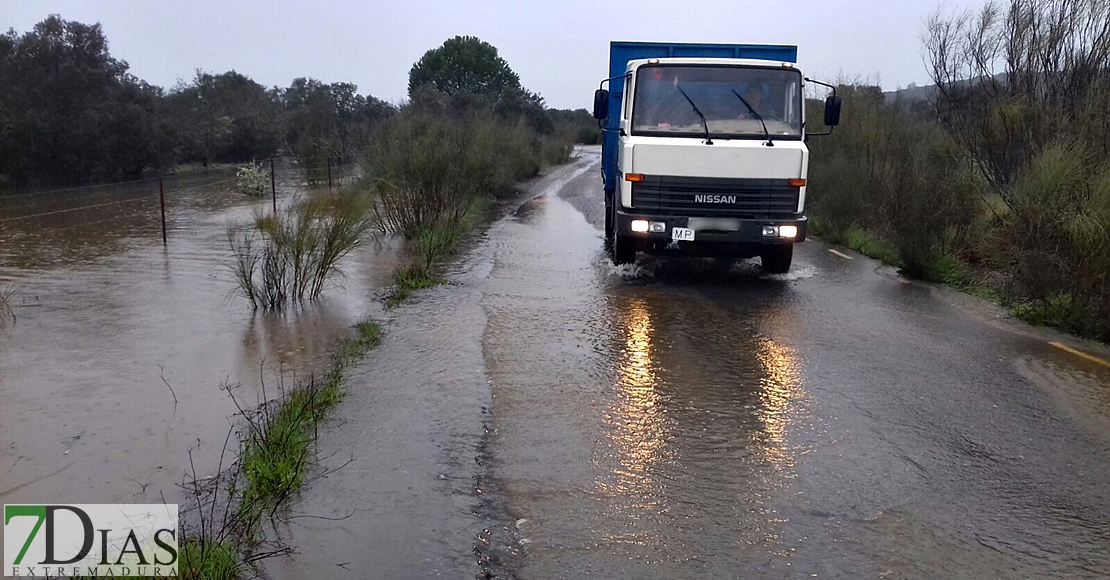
(465, 64)
(327, 121)
(226, 117)
(69, 110)
(71, 113)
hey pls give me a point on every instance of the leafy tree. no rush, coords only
(327, 121)
(226, 117)
(70, 111)
(465, 64)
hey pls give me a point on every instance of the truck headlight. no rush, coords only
(788, 231)
(639, 226)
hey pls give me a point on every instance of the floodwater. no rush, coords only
(551, 416)
(104, 313)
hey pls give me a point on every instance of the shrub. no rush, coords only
(252, 179)
(425, 171)
(1054, 244)
(295, 255)
(896, 176)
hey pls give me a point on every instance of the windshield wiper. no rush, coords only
(708, 139)
(766, 133)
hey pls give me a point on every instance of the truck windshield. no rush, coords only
(660, 108)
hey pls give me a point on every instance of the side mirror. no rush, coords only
(832, 111)
(601, 104)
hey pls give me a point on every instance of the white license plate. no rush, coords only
(682, 234)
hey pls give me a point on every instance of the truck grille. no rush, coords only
(715, 196)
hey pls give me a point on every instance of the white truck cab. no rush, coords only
(706, 157)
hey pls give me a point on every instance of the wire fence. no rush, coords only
(95, 199)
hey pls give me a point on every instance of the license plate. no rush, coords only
(682, 234)
(714, 224)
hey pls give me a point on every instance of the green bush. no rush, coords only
(295, 255)
(425, 171)
(1054, 243)
(252, 179)
(891, 185)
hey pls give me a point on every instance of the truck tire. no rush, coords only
(776, 259)
(608, 220)
(621, 250)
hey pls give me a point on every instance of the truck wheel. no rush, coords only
(622, 252)
(776, 259)
(608, 221)
(620, 248)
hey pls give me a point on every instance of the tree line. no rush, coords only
(71, 113)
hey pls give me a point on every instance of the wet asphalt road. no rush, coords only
(675, 419)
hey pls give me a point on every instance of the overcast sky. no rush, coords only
(558, 47)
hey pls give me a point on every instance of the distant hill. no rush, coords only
(915, 94)
(910, 94)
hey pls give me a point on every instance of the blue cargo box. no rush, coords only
(620, 52)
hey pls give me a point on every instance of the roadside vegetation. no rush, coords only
(274, 462)
(468, 135)
(999, 183)
(8, 291)
(430, 172)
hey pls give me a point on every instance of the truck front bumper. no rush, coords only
(745, 241)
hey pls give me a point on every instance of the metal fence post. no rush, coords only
(329, 173)
(273, 185)
(162, 202)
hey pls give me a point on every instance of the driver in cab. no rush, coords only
(753, 97)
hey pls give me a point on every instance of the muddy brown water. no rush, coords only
(104, 312)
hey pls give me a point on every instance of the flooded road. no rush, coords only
(104, 312)
(677, 419)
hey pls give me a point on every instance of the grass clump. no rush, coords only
(278, 442)
(8, 292)
(207, 560)
(409, 279)
(869, 245)
(368, 335)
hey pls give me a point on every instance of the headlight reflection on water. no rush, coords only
(639, 423)
(750, 397)
(780, 386)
